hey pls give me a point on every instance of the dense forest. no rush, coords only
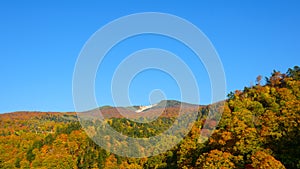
(259, 128)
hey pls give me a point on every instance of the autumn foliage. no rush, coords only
(259, 129)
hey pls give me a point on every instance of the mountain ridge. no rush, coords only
(167, 106)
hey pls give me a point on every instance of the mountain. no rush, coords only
(166, 106)
(173, 103)
(259, 128)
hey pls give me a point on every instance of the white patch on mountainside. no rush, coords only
(143, 108)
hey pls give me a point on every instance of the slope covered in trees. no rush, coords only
(259, 128)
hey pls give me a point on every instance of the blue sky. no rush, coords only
(41, 40)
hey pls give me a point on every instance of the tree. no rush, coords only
(216, 159)
(294, 73)
(263, 160)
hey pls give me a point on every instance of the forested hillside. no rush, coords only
(259, 128)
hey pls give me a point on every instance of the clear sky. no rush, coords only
(40, 42)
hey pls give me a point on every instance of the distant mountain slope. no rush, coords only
(165, 108)
(173, 103)
(169, 108)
